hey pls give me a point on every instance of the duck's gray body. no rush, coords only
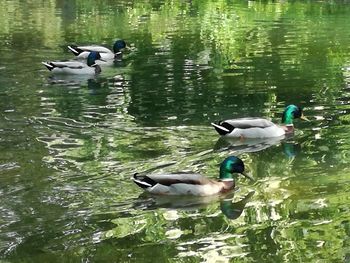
(82, 52)
(249, 128)
(75, 67)
(71, 68)
(178, 184)
(107, 55)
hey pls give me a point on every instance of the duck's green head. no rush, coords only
(118, 45)
(290, 113)
(93, 56)
(230, 165)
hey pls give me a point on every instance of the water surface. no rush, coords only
(70, 145)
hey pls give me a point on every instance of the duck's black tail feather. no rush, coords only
(143, 181)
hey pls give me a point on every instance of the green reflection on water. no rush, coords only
(69, 146)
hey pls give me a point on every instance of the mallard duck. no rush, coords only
(82, 52)
(258, 127)
(192, 184)
(75, 67)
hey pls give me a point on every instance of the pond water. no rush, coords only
(70, 145)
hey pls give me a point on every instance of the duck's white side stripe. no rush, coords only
(73, 50)
(220, 127)
(143, 183)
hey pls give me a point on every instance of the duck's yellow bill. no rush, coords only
(304, 118)
(248, 176)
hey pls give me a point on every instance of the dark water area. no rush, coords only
(69, 145)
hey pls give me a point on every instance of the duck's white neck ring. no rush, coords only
(290, 125)
(226, 180)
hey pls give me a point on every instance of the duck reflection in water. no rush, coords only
(247, 145)
(189, 203)
(70, 80)
(291, 149)
(234, 210)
